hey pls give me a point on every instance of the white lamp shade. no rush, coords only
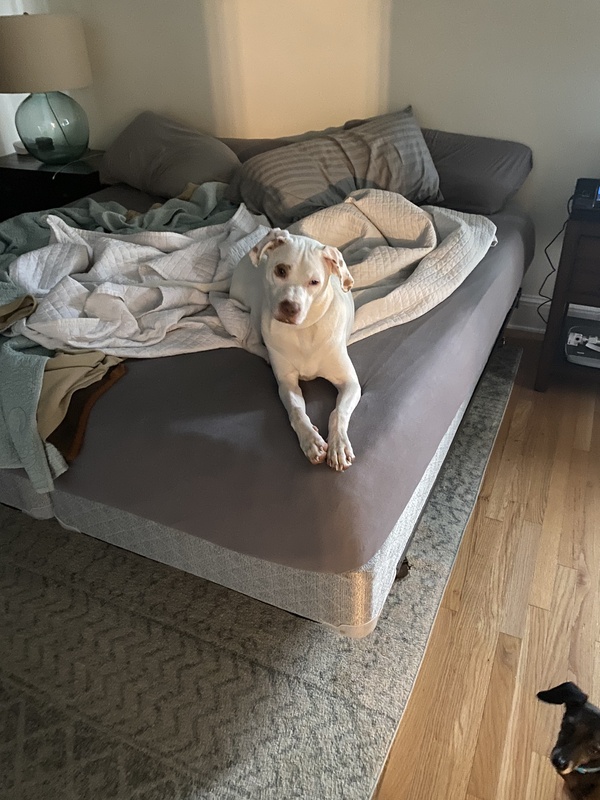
(42, 53)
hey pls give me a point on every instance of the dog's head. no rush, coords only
(297, 270)
(577, 748)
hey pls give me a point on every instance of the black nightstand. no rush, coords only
(577, 281)
(27, 184)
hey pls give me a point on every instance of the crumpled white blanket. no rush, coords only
(116, 293)
(404, 259)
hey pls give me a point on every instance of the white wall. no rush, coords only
(519, 69)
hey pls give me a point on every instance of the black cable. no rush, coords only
(75, 160)
(548, 298)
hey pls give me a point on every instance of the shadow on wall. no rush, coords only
(146, 54)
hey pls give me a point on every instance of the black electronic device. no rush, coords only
(586, 200)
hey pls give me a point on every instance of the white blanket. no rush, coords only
(134, 295)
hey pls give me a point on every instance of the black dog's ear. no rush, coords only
(567, 693)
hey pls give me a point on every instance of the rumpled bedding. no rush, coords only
(23, 361)
(139, 295)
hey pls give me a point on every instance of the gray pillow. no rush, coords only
(247, 148)
(159, 156)
(478, 174)
(387, 152)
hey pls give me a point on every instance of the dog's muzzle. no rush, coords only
(561, 763)
(288, 311)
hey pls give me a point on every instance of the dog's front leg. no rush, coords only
(339, 450)
(312, 443)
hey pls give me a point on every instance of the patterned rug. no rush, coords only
(124, 678)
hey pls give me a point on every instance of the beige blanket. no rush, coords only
(404, 259)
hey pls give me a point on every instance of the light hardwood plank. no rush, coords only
(541, 781)
(509, 474)
(461, 684)
(458, 576)
(585, 621)
(520, 578)
(554, 513)
(585, 420)
(406, 749)
(511, 433)
(483, 780)
(543, 663)
(549, 664)
(594, 689)
(539, 456)
(574, 509)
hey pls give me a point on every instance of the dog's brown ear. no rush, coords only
(568, 693)
(335, 261)
(274, 238)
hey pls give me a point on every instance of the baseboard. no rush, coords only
(526, 317)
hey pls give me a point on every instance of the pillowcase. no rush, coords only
(386, 152)
(159, 156)
(247, 148)
(478, 174)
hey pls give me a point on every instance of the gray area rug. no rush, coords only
(124, 678)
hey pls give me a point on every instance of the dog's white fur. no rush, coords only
(298, 294)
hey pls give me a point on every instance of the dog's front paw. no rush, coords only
(314, 446)
(339, 452)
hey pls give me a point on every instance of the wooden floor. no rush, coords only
(521, 611)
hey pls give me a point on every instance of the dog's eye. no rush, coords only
(280, 272)
(313, 282)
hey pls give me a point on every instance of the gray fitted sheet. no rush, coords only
(201, 443)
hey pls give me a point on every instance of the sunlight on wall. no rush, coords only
(280, 68)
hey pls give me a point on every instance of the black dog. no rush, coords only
(576, 754)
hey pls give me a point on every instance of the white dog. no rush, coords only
(301, 308)
(301, 313)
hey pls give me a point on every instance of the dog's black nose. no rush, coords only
(289, 309)
(560, 761)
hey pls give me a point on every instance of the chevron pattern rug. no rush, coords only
(124, 678)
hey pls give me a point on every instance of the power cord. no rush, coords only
(68, 164)
(548, 298)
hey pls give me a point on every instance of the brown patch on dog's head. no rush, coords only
(337, 266)
(281, 270)
(275, 238)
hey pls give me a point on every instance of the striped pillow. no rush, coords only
(387, 152)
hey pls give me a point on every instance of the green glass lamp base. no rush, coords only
(53, 127)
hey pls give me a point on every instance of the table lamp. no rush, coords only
(42, 54)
